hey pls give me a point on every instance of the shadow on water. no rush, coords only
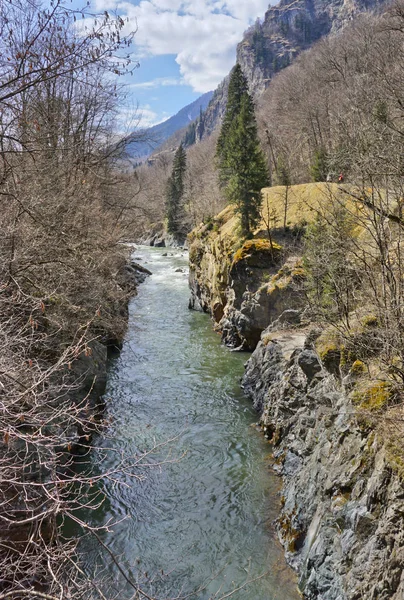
(198, 515)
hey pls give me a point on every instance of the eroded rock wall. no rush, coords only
(342, 521)
(244, 287)
(289, 28)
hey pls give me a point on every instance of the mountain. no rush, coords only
(289, 28)
(155, 136)
(273, 43)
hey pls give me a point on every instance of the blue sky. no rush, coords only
(185, 48)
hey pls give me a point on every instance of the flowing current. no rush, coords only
(200, 518)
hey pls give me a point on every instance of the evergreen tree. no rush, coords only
(319, 168)
(190, 135)
(241, 163)
(237, 87)
(283, 172)
(174, 194)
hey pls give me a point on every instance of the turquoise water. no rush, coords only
(197, 519)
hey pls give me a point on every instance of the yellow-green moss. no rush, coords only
(373, 397)
(288, 274)
(299, 273)
(330, 350)
(370, 321)
(256, 246)
(358, 368)
(284, 271)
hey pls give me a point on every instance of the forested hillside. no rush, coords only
(154, 137)
(306, 122)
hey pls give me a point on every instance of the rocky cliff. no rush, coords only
(343, 504)
(273, 43)
(332, 427)
(246, 287)
(287, 29)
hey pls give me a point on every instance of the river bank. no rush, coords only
(52, 407)
(339, 456)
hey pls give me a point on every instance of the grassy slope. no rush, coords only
(303, 204)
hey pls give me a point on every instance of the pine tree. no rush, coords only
(237, 87)
(242, 168)
(319, 168)
(174, 194)
(190, 135)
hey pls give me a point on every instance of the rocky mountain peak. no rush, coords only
(273, 43)
(288, 28)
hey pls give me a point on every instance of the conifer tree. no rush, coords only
(237, 87)
(175, 193)
(242, 168)
(319, 167)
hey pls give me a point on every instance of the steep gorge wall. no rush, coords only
(342, 521)
(245, 287)
(289, 28)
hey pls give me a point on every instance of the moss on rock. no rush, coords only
(370, 321)
(375, 396)
(259, 253)
(358, 368)
(330, 351)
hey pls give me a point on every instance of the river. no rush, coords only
(199, 518)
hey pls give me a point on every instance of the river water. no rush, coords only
(199, 518)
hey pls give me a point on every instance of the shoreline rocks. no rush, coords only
(342, 517)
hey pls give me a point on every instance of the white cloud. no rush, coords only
(148, 118)
(101, 5)
(138, 117)
(156, 83)
(202, 34)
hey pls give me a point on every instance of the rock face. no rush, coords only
(271, 45)
(287, 29)
(342, 521)
(158, 237)
(244, 289)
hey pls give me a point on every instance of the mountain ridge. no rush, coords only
(155, 136)
(270, 45)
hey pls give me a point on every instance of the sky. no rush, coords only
(184, 47)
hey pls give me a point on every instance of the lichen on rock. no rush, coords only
(342, 501)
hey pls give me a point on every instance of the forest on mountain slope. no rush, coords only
(337, 108)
